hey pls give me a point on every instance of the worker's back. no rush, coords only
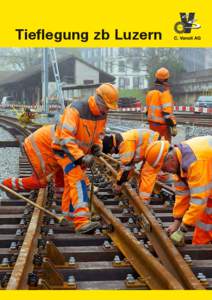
(90, 125)
(135, 143)
(201, 147)
(158, 100)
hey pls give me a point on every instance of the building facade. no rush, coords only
(26, 86)
(191, 85)
(125, 64)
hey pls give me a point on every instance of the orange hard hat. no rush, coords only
(156, 153)
(110, 95)
(162, 74)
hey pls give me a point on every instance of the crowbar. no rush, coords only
(62, 220)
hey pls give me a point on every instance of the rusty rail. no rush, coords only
(147, 266)
(24, 265)
(166, 251)
(14, 122)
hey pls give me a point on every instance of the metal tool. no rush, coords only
(92, 189)
(62, 220)
(110, 158)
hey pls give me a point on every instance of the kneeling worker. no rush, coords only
(37, 147)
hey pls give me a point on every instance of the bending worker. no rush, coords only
(131, 145)
(159, 105)
(68, 148)
(37, 147)
(77, 135)
(192, 162)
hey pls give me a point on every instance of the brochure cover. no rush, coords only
(136, 75)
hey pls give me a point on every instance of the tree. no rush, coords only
(21, 59)
(156, 58)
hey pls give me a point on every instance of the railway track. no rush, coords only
(131, 251)
(182, 118)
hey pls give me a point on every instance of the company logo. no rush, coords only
(187, 23)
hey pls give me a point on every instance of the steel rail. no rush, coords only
(24, 265)
(113, 160)
(166, 251)
(16, 124)
(146, 265)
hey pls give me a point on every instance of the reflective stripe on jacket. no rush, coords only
(195, 186)
(133, 147)
(203, 230)
(38, 149)
(80, 126)
(159, 103)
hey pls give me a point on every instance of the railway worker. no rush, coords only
(77, 135)
(26, 117)
(37, 147)
(191, 160)
(131, 145)
(159, 104)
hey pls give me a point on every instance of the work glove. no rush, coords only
(87, 161)
(173, 227)
(173, 130)
(178, 237)
(96, 150)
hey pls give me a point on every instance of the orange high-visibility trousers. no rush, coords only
(75, 197)
(59, 184)
(203, 229)
(163, 130)
(24, 184)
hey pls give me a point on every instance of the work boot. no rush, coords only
(88, 227)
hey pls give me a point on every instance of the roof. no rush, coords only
(20, 76)
(81, 86)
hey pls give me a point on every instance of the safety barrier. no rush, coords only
(176, 108)
(34, 107)
(143, 109)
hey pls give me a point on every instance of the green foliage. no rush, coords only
(21, 59)
(163, 57)
(137, 93)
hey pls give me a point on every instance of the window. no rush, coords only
(121, 66)
(121, 51)
(106, 66)
(121, 82)
(111, 67)
(135, 65)
(138, 82)
(88, 81)
(124, 82)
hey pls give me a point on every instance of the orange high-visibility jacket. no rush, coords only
(132, 150)
(80, 126)
(203, 230)
(39, 151)
(159, 103)
(194, 186)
